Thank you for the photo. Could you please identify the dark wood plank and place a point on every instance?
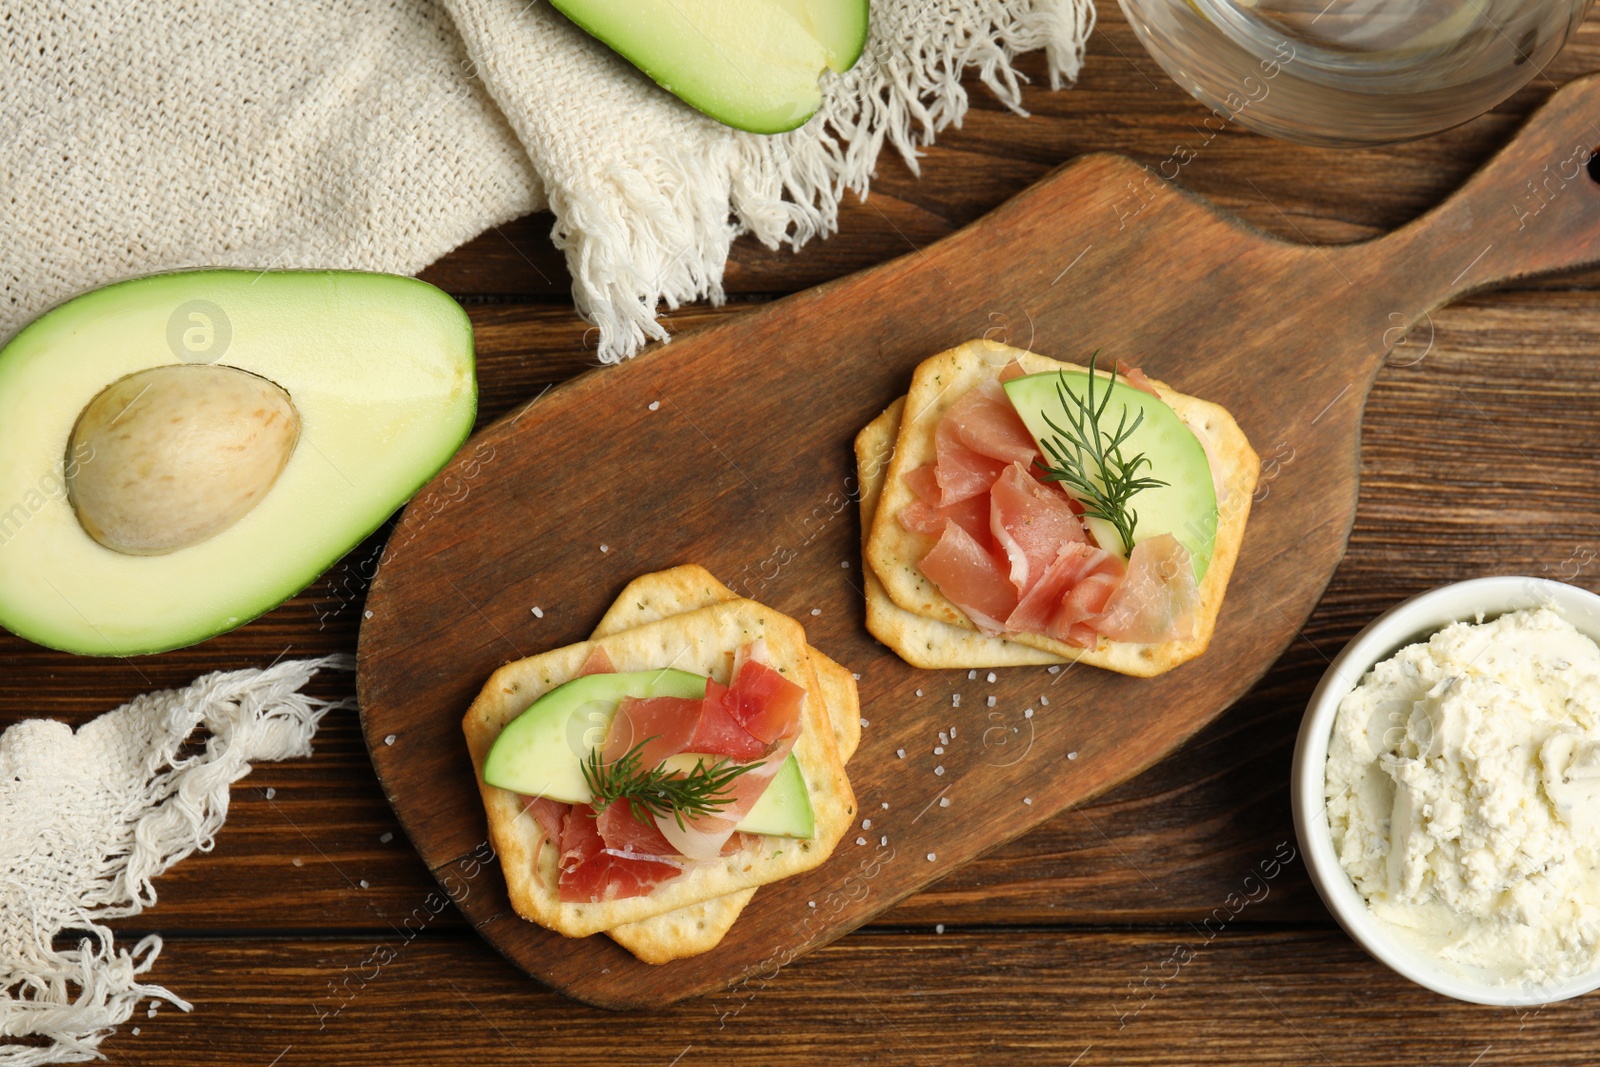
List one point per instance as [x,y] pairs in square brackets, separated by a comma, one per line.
[1228,995]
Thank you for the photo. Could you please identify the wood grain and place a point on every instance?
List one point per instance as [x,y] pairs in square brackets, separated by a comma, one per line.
[975,997]
[1102,254]
[1195,822]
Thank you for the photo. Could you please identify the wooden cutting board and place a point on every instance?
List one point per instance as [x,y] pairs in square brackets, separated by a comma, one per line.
[731,448]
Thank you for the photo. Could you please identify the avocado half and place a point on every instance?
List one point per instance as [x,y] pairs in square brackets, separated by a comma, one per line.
[378,368]
[750,64]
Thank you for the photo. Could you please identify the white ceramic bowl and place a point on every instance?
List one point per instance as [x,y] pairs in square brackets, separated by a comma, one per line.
[1414,620]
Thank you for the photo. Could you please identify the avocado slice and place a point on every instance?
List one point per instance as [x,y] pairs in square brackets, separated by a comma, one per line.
[303,408]
[784,810]
[752,64]
[542,751]
[1186,507]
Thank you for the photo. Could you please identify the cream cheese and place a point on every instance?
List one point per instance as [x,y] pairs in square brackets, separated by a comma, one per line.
[1463,789]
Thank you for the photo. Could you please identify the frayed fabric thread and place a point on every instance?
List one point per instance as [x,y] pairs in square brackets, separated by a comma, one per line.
[89,818]
[649,194]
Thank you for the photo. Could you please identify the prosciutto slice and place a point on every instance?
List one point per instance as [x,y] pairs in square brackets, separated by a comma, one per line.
[663,725]
[1157,602]
[768,705]
[592,871]
[1031,524]
[985,421]
[1072,590]
[960,471]
[970,576]
[599,662]
[926,515]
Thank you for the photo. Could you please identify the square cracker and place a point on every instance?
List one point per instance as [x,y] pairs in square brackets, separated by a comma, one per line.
[892,551]
[700,927]
[921,642]
[701,641]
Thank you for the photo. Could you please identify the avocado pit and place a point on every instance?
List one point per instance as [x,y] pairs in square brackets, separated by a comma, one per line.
[171,456]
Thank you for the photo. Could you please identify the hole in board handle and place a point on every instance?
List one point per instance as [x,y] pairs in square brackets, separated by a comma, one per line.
[1593,165]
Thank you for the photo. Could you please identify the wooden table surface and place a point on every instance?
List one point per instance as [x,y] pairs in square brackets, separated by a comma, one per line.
[1169,921]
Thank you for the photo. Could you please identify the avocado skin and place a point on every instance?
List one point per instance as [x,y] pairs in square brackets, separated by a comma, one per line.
[765,83]
[382,365]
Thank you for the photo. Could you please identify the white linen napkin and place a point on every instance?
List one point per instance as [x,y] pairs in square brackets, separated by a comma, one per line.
[89,817]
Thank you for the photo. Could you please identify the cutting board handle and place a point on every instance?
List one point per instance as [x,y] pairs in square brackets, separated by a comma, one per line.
[1532,209]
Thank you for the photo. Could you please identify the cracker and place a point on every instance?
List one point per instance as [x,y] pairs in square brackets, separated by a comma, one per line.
[892,550]
[702,641]
[921,642]
[701,927]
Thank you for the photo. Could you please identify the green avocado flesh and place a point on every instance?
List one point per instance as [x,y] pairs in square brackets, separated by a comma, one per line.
[542,751]
[377,368]
[752,64]
[1186,507]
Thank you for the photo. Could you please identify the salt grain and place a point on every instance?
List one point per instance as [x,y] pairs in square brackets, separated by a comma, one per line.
[135,1031]
[865,724]
[844,564]
[919,692]
[938,750]
[932,856]
[816,611]
[866,824]
[944,738]
[1072,755]
[939,928]
[366,614]
[655,405]
[939,770]
[861,840]
[944,802]
[271,792]
[856,675]
[991,677]
[386,837]
[991,702]
[900,752]
[952,731]
[538,612]
[1027,800]
[297,862]
[971,675]
[605,548]
[1044,700]
[883,842]
[389,740]
[811,903]
[885,805]
[955,700]
[1053,670]
[363,884]
[1028,714]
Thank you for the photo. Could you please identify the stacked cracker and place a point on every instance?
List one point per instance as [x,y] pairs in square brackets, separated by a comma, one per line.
[907,612]
[686,619]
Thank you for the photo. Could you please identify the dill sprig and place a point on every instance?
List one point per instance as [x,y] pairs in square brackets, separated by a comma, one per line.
[1088,459]
[658,791]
